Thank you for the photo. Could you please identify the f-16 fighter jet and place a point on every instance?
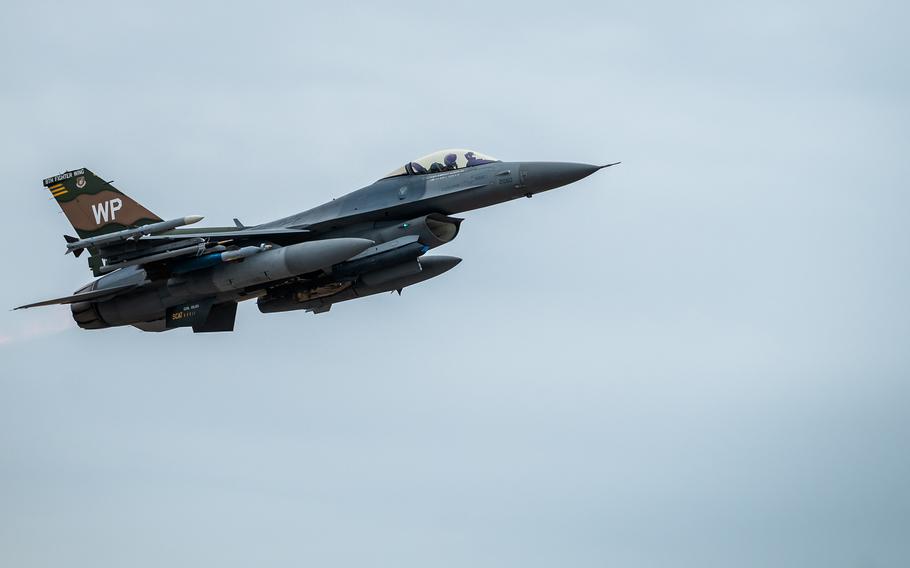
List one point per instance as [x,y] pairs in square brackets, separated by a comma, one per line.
[156,276]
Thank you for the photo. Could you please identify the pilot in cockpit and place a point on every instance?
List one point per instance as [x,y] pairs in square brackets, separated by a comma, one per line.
[450,163]
[474,160]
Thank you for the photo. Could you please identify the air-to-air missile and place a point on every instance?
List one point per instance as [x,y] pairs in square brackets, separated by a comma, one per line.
[217,255]
[155,276]
[131,233]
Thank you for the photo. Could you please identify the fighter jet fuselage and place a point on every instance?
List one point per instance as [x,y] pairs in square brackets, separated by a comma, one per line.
[157,277]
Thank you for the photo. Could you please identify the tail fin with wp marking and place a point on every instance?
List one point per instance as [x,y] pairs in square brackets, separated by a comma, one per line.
[95,207]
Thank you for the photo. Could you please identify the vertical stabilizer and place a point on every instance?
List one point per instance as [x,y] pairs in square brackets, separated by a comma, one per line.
[95,207]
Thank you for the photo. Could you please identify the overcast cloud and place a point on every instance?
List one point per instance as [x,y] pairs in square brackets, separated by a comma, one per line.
[697,358]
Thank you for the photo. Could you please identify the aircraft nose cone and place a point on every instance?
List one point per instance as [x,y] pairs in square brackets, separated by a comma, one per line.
[541,176]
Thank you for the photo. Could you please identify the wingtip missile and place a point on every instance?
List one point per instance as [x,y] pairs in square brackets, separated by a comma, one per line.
[131,233]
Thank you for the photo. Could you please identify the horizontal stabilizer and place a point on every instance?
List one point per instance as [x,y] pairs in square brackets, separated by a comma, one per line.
[94,295]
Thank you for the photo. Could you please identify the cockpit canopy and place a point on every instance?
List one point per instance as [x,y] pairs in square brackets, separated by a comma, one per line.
[443,160]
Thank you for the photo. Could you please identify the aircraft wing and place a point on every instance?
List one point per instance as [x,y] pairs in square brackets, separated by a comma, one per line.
[158,251]
[239,235]
[83,297]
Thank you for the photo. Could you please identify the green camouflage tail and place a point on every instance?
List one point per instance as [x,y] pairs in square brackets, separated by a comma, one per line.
[95,207]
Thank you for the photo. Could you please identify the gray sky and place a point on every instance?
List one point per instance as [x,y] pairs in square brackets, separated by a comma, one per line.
[698,358]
